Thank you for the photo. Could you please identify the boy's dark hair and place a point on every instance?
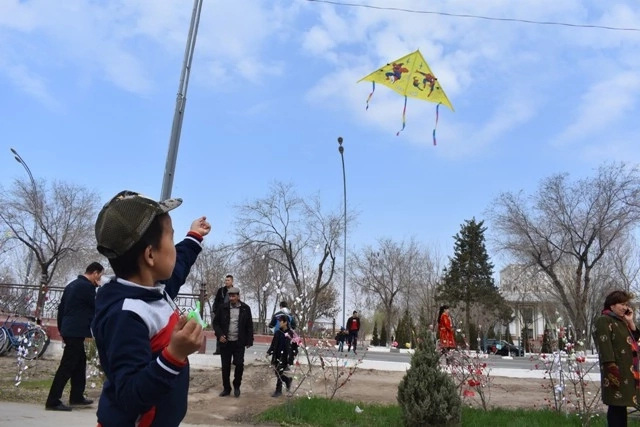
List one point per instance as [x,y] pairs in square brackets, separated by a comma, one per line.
[354,312]
[284,317]
[283,304]
[229,276]
[616,297]
[94,267]
[126,265]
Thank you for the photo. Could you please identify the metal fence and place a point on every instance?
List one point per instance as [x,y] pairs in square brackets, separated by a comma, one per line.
[21,300]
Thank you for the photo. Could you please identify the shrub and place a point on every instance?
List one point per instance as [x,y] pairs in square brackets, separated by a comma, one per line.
[427,395]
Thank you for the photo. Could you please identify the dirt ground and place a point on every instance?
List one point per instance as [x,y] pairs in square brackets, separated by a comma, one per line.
[207,408]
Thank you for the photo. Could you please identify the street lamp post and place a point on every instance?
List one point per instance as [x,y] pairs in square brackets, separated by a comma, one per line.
[344,263]
[20,160]
[42,290]
[181,102]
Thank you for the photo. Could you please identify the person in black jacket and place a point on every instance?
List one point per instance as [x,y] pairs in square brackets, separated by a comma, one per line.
[281,353]
[353,327]
[284,309]
[75,313]
[233,324]
[221,298]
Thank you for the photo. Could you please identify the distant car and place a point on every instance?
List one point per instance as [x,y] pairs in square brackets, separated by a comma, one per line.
[502,348]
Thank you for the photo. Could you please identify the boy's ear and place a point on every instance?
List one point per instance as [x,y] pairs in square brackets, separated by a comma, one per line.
[147,256]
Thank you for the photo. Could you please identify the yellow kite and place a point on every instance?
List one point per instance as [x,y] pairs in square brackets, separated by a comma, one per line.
[410,76]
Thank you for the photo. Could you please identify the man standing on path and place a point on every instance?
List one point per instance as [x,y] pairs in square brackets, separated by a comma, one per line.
[353,326]
[75,313]
[233,324]
[221,298]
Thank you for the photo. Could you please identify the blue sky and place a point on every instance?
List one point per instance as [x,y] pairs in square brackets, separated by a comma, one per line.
[88,92]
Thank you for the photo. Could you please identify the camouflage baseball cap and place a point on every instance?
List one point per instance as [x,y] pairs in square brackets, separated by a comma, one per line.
[124,219]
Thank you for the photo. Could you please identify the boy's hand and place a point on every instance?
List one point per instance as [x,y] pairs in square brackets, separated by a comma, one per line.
[201,226]
[186,338]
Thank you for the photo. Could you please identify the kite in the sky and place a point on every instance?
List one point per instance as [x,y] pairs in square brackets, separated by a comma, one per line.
[410,76]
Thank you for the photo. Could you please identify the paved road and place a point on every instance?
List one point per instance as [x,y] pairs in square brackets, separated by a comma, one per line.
[524,363]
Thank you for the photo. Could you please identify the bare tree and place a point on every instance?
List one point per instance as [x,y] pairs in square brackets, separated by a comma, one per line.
[297,235]
[386,272]
[52,221]
[262,279]
[212,265]
[566,228]
[422,299]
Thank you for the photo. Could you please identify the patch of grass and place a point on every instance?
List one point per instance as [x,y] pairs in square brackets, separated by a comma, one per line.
[36,384]
[326,413]
[30,390]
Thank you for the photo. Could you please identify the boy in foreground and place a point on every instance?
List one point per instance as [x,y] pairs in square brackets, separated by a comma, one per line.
[142,340]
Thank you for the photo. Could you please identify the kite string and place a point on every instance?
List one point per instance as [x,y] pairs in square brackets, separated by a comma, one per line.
[404,115]
[436,125]
[371,94]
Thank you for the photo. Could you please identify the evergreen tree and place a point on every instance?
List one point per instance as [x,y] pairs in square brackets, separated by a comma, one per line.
[546,342]
[507,336]
[405,330]
[491,334]
[473,337]
[375,340]
[468,280]
[383,335]
[427,395]
[561,343]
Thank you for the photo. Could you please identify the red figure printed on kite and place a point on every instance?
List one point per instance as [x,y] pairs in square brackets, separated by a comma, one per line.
[396,73]
[428,78]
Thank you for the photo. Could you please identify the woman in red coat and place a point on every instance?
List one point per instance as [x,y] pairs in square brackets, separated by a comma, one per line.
[445,329]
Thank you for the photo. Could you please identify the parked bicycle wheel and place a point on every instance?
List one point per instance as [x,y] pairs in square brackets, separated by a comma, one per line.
[36,343]
[5,342]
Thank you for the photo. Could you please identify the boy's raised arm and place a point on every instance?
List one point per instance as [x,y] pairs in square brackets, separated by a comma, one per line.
[186,254]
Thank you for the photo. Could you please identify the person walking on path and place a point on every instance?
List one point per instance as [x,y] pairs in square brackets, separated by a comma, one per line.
[233,323]
[75,313]
[353,328]
[281,353]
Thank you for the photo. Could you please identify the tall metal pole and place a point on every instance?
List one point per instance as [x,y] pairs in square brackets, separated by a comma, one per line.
[20,160]
[344,263]
[181,101]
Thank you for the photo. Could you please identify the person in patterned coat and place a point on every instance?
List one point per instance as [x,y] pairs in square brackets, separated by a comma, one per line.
[616,336]
[445,330]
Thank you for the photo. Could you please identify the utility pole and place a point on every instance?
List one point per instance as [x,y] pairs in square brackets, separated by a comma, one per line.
[181,101]
[344,263]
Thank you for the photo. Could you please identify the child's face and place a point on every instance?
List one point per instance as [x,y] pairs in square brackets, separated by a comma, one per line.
[164,255]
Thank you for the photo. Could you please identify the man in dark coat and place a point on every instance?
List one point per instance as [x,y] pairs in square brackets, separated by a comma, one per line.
[233,324]
[75,313]
[353,327]
[221,298]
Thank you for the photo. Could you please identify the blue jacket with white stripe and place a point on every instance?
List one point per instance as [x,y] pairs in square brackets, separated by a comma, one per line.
[145,385]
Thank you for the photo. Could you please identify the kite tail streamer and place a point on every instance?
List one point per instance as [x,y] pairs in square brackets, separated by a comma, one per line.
[404,116]
[436,125]
[370,95]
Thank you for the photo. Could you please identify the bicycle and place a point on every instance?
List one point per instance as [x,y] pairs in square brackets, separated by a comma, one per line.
[30,343]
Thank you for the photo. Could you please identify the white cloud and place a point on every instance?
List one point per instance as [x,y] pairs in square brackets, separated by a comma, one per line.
[114,41]
[31,84]
[510,70]
[603,105]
